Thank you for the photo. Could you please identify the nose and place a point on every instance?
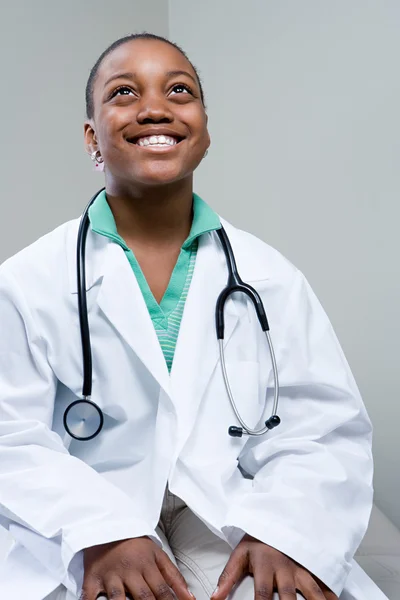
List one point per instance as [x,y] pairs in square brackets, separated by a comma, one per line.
[154,110]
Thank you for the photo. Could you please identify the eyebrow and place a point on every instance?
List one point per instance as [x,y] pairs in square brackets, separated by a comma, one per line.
[175,73]
[133,75]
[120,76]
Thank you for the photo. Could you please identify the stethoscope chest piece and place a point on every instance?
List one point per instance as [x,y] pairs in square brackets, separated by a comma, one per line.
[83,420]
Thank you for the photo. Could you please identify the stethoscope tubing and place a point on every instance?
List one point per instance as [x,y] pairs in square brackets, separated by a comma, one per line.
[234,285]
[82,301]
[246,428]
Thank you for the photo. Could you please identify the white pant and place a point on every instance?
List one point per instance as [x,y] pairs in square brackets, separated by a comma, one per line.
[194,549]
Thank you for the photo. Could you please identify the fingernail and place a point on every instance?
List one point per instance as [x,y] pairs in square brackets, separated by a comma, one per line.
[215,591]
[191,594]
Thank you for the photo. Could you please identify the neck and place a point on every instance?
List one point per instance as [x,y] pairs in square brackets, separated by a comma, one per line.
[158,216]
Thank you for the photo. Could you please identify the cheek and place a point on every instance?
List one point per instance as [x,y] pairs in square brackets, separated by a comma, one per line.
[109,133]
[201,124]
[195,119]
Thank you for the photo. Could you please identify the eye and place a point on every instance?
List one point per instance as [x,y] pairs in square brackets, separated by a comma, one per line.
[123,90]
[182,87]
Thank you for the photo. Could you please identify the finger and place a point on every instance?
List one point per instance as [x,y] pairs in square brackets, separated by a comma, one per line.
[329,595]
[115,590]
[263,582]
[285,584]
[308,586]
[156,582]
[173,577]
[91,588]
[138,588]
[235,568]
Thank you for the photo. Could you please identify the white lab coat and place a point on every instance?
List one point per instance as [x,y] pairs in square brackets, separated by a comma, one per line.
[310,490]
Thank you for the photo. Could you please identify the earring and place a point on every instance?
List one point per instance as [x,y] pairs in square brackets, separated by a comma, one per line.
[98,160]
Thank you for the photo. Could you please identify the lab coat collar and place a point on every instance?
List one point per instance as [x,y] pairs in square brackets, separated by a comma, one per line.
[96,250]
[252,268]
[122,302]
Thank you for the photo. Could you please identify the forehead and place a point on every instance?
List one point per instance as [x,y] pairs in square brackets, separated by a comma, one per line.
[145,58]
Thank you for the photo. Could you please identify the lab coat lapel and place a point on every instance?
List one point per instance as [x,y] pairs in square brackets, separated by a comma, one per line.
[122,302]
[196,353]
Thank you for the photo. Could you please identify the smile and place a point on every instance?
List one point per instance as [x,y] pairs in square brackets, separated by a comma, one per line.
[152,142]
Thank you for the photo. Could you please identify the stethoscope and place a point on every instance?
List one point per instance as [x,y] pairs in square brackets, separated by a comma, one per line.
[83,419]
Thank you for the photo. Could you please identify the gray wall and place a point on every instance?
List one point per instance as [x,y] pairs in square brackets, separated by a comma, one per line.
[304,115]
[48,49]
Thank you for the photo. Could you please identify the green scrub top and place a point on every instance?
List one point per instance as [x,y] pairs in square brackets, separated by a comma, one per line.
[167,315]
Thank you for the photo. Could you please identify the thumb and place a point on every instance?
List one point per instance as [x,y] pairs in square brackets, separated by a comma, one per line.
[235,569]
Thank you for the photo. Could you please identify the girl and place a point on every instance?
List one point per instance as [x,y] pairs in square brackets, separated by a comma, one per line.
[163,503]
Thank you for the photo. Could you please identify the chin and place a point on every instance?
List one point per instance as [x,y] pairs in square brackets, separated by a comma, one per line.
[159,176]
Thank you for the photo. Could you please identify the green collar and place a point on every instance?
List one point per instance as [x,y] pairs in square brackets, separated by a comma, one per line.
[102,220]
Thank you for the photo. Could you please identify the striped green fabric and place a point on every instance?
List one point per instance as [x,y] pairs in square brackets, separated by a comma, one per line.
[167,315]
[168,331]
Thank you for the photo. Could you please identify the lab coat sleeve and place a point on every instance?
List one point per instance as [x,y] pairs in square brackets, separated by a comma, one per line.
[54,503]
[312,489]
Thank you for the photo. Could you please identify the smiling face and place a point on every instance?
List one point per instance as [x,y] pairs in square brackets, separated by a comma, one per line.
[149,122]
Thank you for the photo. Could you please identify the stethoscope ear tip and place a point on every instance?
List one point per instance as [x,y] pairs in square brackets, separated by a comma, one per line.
[272,422]
[235,431]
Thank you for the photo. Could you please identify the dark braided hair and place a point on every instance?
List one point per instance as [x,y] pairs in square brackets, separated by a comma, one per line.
[124,40]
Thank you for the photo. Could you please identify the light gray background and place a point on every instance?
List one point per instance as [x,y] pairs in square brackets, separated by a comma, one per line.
[303,101]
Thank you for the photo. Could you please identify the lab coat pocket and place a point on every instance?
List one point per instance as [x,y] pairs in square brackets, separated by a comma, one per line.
[244,381]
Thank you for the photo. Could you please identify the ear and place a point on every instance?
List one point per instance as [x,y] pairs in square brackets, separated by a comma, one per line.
[208,135]
[90,137]
[208,140]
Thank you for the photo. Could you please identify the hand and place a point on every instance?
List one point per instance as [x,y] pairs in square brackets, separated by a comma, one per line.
[136,566]
[272,570]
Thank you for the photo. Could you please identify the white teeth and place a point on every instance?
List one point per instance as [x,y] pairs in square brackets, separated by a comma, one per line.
[157,140]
